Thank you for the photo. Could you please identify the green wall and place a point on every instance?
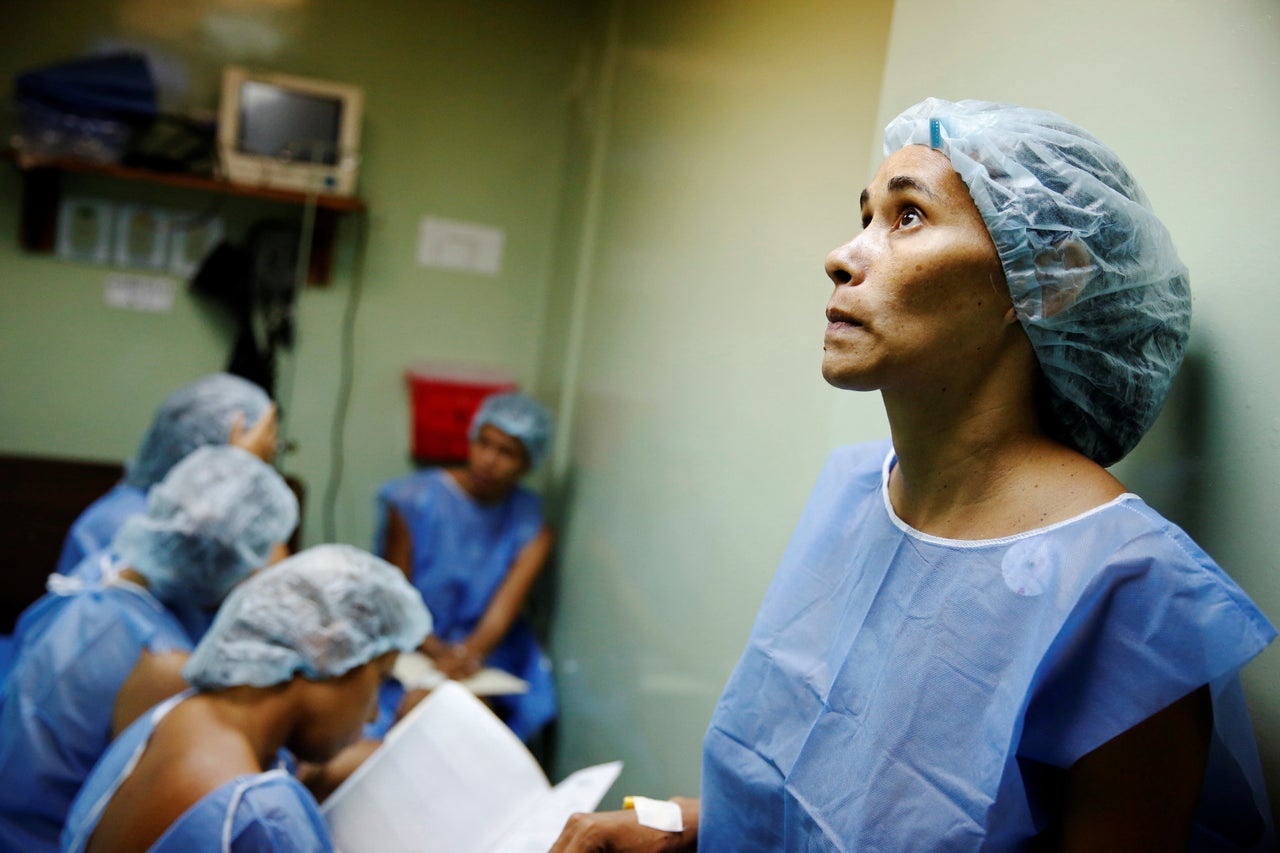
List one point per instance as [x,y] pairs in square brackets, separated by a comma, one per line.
[466,110]
[737,138]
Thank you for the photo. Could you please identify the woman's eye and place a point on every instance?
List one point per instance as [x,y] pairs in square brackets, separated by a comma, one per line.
[909,216]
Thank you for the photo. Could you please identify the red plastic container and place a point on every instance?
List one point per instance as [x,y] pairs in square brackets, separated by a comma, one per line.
[442,403]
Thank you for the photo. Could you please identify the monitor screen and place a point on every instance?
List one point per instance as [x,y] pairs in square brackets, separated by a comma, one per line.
[276,122]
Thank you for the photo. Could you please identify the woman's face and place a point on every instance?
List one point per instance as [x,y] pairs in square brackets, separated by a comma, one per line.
[920,297]
[496,461]
[338,708]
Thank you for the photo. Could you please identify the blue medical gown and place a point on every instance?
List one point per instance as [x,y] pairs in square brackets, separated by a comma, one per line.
[264,812]
[900,690]
[94,529]
[90,534]
[55,712]
[89,571]
[462,551]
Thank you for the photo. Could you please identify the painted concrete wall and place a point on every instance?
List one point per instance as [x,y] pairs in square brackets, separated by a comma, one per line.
[738,134]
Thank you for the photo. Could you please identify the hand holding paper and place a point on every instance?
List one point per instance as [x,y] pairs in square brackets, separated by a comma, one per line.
[452,778]
[416,672]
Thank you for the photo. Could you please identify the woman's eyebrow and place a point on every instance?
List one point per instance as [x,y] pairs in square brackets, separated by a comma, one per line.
[899,183]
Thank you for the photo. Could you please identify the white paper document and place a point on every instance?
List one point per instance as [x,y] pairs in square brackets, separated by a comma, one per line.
[452,778]
[416,671]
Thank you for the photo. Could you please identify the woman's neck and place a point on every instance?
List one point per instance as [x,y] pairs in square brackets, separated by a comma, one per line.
[978,465]
[264,716]
[462,476]
[133,576]
[947,463]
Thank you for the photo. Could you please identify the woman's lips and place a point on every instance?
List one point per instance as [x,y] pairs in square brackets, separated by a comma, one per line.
[839,321]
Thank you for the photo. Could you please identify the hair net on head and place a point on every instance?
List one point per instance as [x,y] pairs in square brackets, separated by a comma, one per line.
[519,416]
[1094,276]
[195,415]
[319,613]
[208,524]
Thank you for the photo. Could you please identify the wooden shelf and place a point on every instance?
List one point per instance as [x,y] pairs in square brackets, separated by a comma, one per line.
[42,192]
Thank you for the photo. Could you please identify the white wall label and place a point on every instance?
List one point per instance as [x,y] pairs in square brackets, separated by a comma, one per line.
[463,246]
[139,292]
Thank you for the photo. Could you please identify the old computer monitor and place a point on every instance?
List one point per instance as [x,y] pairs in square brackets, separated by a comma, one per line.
[288,132]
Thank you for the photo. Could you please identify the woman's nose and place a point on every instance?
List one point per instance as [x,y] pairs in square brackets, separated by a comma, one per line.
[844,265]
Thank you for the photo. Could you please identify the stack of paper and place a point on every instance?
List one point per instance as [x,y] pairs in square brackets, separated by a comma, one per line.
[452,778]
[416,671]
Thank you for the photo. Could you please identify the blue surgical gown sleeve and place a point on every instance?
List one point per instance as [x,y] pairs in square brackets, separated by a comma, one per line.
[55,715]
[94,529]
[264,813]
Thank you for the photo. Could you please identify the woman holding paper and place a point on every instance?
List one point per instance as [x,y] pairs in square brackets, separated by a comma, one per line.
[473,541]
[977,638]
[294,660]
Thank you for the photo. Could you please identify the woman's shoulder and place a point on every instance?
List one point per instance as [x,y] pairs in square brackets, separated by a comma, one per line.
[526,501]
[855,466]
[860,459]
[90,611]
[1147,531]
[260,811]
[1128,553]
[113,507]
[416,486]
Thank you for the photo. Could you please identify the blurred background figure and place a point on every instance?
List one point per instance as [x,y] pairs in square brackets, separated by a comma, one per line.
[218,409]
[294,660]
[473,541]
[97,653]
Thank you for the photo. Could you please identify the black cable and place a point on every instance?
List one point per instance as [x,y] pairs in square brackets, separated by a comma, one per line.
[345,373]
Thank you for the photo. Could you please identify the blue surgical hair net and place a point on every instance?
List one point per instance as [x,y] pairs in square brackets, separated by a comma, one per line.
[519,416]
[208,524]
[195,415]
[320,613]
[1094,276]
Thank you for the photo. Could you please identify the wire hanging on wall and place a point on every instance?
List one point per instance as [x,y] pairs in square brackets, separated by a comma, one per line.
[346,372]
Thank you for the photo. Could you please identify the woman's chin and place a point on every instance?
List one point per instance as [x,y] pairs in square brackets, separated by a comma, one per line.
[846,377]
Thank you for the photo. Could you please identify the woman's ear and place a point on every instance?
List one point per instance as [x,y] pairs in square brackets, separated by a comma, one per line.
[1062,271]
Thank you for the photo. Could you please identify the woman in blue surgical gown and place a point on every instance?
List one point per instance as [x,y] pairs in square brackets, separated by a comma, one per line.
[216,409]
[101,652]
[293,660]
[472,540]
[978,639]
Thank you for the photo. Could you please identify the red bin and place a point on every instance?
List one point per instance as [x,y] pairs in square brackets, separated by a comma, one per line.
[442,403]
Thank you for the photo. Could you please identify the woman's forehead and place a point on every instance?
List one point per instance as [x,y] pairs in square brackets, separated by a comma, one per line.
[921,169]
[920,164]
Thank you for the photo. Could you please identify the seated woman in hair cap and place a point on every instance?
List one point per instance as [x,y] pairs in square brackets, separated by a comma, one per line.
[216,409]
[473,541]
[978,639]
[97,654]
[294,660]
